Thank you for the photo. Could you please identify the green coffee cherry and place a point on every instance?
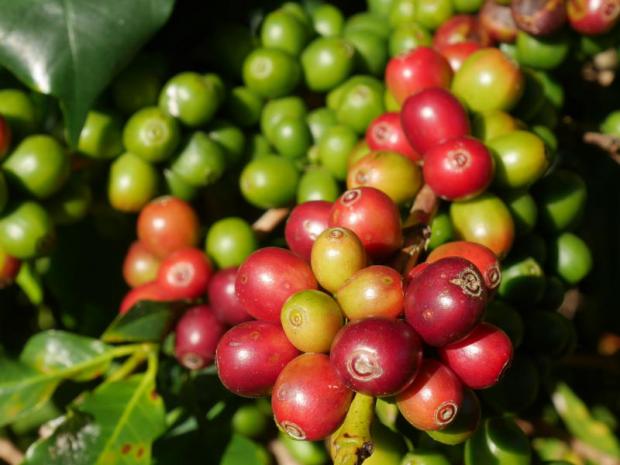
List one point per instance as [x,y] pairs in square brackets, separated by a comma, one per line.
[278,109]
[317,183]
[328,20]
[101,136]
[139,85]
[19,110]
[561,199]
[441,230]
[72,203]
[249,421]
[498,440]
[327,62]
[319,120]
[151,134]
[179,187]
[230,138]
[191,98]
[523,209]
[26,231]
[407,36]
[269,181]
[244,106]
[201,160]
[570,258]
[133,182]
[523,281]
[371,51]
[334,149]
[271,73]
[283,31]
[230,241]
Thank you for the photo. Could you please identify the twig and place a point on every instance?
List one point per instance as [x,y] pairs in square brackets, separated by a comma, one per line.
[609,144]
[9,453]
[571,303]
[270,220]
[416,230]
[579,447]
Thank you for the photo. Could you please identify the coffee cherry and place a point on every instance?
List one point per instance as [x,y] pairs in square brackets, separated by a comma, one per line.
[433,399]
[464,425]
[498,440]
[149,291]
[497,22]
[446,300]
[481,358]
[309,400]
[431,117]
[336,255]
[416,271]
[493,123]
[485,220]
[6,136]
[421,68]
[375,291]
[523,280]
[306,221]
[250,357]
[523,209]
[311,320]
[561,198]
[570,258]
[168,224]
[424,457]
[196,336]
[485,260]
[184,274]
[9,269]
[386,133]
[539,17]
[458,168]
[391,173]
[26,231]
[406,37]
[456,54]
[488,80]
[140,265]
[442,230]
[268,277]
[593,17]
[372,216]
[230,241]
[223,298]
[377,356]
[457,30]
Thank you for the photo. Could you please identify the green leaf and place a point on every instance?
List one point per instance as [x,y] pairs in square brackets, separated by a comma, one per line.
[60,352]
[145,322]
[73,48]
[116,424]
[243,451]
[22,390]
[580,423]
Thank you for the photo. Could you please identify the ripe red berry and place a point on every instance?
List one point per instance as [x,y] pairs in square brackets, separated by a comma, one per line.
[433,399]
[168,224]
[415,271]
[149,291]
[419,69]
[372,216]
[306,221]
[456,54]
[593,17]
[386,133]
[309,400]
[140,265]
[377,356]
[445,301]
[481,256]
[270,276]
[539,17]
[5,136]
[223,298]
[250,357]
[185,274]
[196,336]
[9,268]
[481,358]
[431,117]
[458,168]
[457,30]
[497,22]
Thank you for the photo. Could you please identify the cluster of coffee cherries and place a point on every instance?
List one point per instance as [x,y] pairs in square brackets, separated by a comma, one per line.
[330,321]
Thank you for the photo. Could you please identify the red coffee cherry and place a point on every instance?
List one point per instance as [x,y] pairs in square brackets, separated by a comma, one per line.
[306,221]
[168,224]
[458,168]
[419,69]
[185,274]
[372,216]
[140,265]
[457,30]
[497,23]
[483,257]
[377,356]
[445,301]
[434,398]
[270,276]
[223,298]
[196,336]
[481,358]
[593,17]
[9,268]
[431,117]
[386,133]
[148,291]
[309,400]
[539,17]
[456,54]
[250,357]
[6,136]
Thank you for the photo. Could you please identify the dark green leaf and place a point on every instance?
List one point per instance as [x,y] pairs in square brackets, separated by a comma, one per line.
[61,352]
[22,390]
[116,424]
[73,48]
[145,322]
[243,451]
